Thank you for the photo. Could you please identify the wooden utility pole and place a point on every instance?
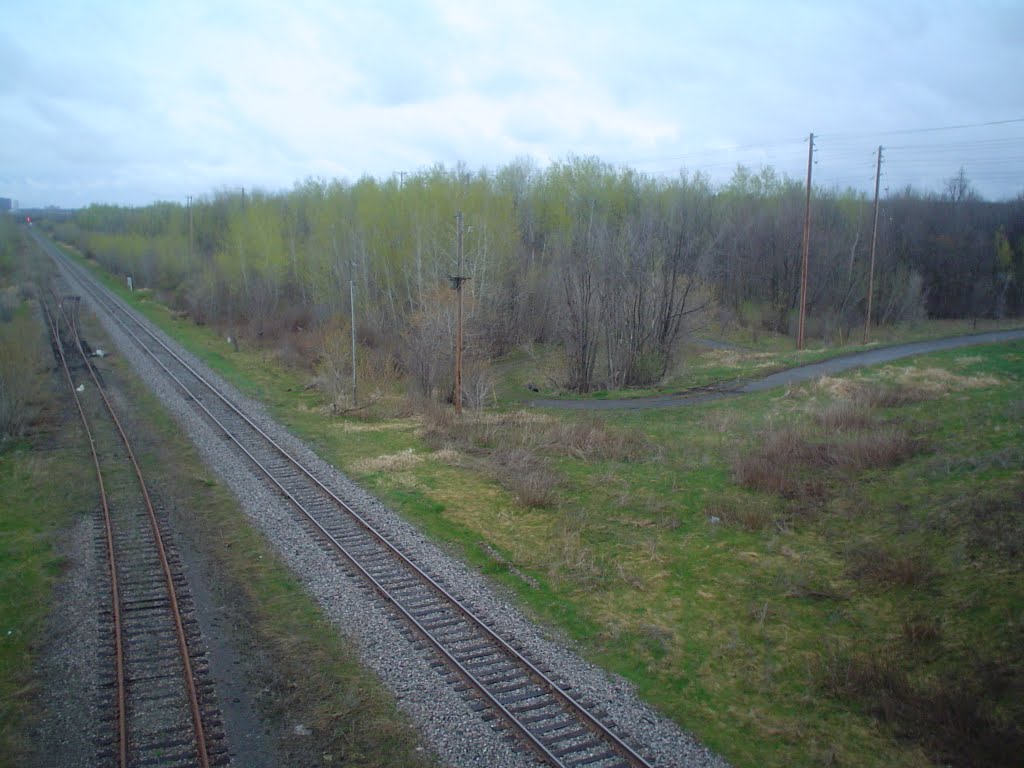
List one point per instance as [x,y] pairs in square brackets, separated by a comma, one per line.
[352,309]
[190,254]
[874,236]
[806,248]
[458,280]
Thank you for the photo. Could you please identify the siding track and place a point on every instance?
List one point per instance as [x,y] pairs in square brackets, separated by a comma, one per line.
[160,709]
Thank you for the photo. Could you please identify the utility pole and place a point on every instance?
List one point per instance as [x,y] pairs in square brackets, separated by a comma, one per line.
[458,332]
[874,236]
[190,253]
[806,248]
[352,306]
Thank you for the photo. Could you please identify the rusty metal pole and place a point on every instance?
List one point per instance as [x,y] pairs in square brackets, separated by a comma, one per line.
[458,328]
[806,248]
[874,236]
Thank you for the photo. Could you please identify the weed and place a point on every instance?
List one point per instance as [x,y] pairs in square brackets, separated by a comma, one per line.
[781,465]
[921,630]
[798,584]
[953,715]
[877,394]
[755,513]
[989,519]
[788,463]
[516,447]
[526,475]
[844,415]
[21,374]
[870,563]
[873,450]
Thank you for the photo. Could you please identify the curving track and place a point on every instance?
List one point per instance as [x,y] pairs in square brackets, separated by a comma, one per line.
[157,702]
[507,686]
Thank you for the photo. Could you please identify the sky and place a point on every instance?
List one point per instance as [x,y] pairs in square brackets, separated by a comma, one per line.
[130,103]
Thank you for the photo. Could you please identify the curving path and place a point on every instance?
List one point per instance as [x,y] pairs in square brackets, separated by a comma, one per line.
[788,376]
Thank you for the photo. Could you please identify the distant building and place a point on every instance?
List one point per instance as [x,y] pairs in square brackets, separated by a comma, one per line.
[6,204]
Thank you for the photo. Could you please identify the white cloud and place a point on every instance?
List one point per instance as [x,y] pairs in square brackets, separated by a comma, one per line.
[130,102]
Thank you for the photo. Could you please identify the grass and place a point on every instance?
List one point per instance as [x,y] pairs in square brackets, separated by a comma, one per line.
[739,608]
[744,357]
[35,511]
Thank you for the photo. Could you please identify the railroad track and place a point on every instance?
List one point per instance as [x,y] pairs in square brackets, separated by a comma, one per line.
[505,685]
[158,713]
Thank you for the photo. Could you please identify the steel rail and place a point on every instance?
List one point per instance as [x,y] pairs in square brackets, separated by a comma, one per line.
[614,742]
[179,627]
[121,694]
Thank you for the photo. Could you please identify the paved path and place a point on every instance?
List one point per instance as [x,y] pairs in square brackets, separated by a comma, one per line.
[789,376]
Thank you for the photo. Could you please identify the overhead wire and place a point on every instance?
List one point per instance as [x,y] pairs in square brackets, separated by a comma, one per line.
[843,160]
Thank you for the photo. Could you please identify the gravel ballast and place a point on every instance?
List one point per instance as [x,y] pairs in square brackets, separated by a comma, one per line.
[452,729]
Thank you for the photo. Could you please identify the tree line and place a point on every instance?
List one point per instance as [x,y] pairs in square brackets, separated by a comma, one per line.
[616,267]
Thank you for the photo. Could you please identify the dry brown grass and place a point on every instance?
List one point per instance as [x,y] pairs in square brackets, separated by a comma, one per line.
[872,450]
[952,716]
[526,475]
[587,438]
[874,564]
[781,465]
[21,374]
[897,386]
[876,394]
[517,448]
[791,463]
[920,630]
[844,416]
[748,514]
[989,519]
[394,462]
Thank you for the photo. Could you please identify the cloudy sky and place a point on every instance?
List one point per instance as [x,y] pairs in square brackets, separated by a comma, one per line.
[131,102]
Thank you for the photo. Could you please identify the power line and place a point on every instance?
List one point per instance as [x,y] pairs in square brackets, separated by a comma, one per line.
[925,130]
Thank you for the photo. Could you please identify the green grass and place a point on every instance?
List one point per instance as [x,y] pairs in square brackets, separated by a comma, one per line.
[698,366]
[729,630]
[803,629]
[35,511]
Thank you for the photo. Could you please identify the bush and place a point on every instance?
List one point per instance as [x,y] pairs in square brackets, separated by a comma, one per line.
[873,450]
[526,475]
[749,514]
[874,564]
[844,416]
[876,394]
[952,716]
[789,463]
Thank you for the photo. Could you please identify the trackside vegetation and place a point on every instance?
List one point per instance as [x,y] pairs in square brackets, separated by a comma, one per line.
[615,269]
[822,575]
[34,511]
